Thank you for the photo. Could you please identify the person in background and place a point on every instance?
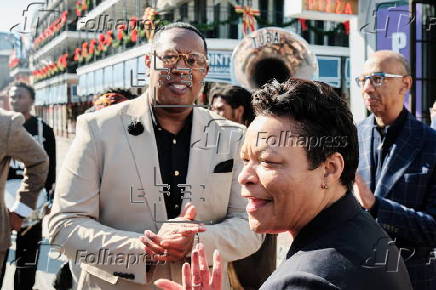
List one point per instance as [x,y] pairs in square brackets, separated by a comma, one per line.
[396,180]
[233,103]
[21,98]
[16,143]
[303,185]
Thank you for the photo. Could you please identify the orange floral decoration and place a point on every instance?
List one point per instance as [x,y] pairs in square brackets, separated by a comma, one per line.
[77,54]
[84,49]
[108,99]
[121,29]
[102,42]
[149,19]
[248,20]
[108,38]
[133,29]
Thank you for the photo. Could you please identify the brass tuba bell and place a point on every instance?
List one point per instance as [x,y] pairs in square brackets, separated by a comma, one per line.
[271,53]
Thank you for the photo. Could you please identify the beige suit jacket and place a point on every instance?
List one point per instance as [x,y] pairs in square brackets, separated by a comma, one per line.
[108,193]
[16,143]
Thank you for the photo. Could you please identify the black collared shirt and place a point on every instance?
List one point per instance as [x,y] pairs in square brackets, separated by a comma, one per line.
[173,153]
[382,141]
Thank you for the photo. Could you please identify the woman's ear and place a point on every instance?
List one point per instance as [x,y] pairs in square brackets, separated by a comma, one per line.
[333,167]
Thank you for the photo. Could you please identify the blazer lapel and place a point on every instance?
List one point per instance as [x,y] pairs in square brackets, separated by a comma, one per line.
[203,142]
[143,150]
[402,153]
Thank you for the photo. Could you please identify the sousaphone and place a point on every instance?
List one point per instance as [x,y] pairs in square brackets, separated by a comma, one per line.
[272,53]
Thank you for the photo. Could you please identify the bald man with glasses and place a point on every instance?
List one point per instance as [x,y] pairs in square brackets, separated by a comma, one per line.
[396,180]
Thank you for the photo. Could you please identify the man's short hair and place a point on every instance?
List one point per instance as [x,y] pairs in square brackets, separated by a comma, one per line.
[181,25]
[319,112]
[236,96]
[405,63]
[25,86]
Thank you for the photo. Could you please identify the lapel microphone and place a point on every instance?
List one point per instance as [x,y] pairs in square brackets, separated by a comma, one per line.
[135,128]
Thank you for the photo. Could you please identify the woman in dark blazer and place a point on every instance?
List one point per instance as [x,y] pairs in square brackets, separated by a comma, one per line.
[300,157]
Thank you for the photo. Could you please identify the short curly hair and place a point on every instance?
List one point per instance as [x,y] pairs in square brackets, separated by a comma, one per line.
[319,112]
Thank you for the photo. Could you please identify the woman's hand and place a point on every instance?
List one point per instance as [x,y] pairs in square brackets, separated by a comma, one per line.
[197,276]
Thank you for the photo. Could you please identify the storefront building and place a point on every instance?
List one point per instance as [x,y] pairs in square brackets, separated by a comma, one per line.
[91,45]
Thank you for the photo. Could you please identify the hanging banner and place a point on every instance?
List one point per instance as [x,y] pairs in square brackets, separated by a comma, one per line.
[219,66]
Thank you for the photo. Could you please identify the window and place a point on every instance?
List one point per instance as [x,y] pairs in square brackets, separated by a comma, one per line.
[98,80]
[184,12]
[278,12]
[263,7]
[131,73]
[233,27]
[329,70]
[118,75]
[83,86]
[200,11]
[90,83]
[107,76]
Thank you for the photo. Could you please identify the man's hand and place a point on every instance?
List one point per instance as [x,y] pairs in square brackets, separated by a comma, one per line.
[174,240]
[197,276]
[15,221]
[362,193]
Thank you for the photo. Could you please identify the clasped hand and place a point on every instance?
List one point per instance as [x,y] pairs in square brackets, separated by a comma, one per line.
[174,240]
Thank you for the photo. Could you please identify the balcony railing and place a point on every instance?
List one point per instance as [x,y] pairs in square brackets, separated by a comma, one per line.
[63,23]
[65,64]
[112,42]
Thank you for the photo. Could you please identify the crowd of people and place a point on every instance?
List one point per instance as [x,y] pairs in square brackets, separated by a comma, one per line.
[156,191]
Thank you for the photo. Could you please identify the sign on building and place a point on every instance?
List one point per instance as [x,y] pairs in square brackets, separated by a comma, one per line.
[330,10]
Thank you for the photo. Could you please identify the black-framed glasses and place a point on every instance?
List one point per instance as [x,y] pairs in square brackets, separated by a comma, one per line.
[192,60]
[376,79]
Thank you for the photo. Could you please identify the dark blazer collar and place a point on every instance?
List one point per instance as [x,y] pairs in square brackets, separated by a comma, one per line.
[335,215]
[404,149]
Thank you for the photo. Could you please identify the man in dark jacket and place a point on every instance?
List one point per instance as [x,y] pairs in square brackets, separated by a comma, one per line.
[397,166]
[22,97]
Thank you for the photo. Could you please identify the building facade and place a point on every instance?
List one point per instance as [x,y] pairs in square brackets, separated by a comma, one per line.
[80,48]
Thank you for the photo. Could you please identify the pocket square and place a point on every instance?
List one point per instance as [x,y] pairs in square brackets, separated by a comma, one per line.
[223,167]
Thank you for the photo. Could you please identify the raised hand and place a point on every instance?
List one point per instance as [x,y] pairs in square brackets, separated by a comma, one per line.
[362,193]
[197,276]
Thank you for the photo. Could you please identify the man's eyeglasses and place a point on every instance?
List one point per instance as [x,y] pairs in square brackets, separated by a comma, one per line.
[376,79]
[192,60]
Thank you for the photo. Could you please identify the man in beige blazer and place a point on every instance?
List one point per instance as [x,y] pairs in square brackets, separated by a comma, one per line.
[16,143]
[110,189]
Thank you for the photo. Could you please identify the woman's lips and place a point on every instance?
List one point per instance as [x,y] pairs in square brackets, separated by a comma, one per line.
[255,204]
